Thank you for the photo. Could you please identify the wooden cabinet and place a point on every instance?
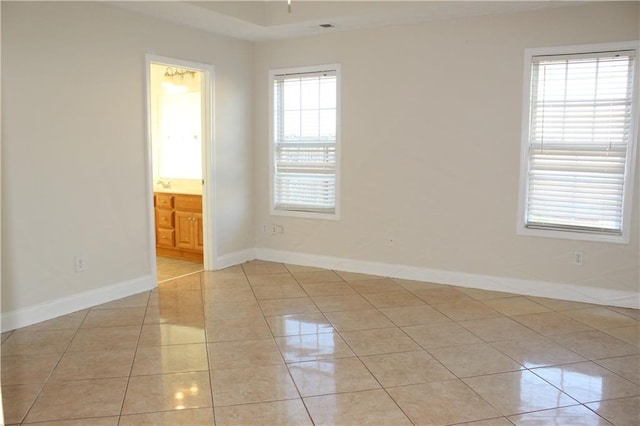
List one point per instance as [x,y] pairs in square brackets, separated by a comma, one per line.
[189,230]
[179,225]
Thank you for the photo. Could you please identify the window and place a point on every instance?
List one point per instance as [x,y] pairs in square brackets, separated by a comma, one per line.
[579,136]
[304,141]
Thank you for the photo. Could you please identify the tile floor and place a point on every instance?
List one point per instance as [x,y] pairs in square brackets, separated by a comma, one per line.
[273,344]
[169,267]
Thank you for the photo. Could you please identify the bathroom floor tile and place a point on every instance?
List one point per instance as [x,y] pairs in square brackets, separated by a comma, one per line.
[518,392]
[282,291]
[276,279]
[625,366]
[600,318]
[474,360]
[332,376]
[259,267]
[309,347]
[224,294]
[252,384]
[596,345]
[440,335]
[406,368]
[630,334]
[92,339]
[498,329]
[298,324]
[171,334]
[621,412]
[170,359]
[551,323]
[373,407]
[250,328]
[358,320]
[336,288]
[379,341]
[317,276]
[165,392]
[78,399]
[467,310]
[65,322]
[537,352]
[283,344]
[139,300]
[4,336]
[630,312]
[515,306]
[114,317]
[232,310]
[185,282]
[355,276]
[377,285]
[441,295]
[575,415]
[352,302]
[17,400]
[194,416]
[393,299]
[298,305]
[414,315]
[94,365]
[243,353]
[441,403]
[37,342]
[27,369]
[587,382]
[288,412]
[479,294]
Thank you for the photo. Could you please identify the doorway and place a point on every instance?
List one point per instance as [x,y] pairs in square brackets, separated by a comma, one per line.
[179,155]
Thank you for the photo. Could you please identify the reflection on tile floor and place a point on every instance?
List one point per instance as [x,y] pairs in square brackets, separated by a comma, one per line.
[169,267]
[274,344]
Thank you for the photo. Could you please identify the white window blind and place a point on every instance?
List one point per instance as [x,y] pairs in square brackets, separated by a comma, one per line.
[304,141]
[580,127]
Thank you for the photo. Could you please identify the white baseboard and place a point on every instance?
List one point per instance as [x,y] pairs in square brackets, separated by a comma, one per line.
[572,292]
[75,302]
[233,259]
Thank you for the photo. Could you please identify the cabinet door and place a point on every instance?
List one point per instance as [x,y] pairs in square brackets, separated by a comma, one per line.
[199,238]
[184,233]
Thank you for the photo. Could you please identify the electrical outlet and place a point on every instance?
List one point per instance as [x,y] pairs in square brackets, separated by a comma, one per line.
[277,229]
[81,263]
[578,257]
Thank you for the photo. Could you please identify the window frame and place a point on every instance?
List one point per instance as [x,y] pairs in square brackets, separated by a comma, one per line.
[629,179]
[335,215]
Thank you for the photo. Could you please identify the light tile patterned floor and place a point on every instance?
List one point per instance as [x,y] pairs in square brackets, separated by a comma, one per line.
[169,267]
[273,344]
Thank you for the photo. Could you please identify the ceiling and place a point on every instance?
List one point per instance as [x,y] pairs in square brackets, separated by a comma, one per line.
[270,19]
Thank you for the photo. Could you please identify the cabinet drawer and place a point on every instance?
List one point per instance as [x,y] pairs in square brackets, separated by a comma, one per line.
[164,219]
[165,238]
[164,201]
[188,203]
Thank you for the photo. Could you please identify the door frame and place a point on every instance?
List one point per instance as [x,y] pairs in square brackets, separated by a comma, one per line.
[208,158]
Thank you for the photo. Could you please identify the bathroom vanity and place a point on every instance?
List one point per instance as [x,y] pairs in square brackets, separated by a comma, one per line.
[179,225]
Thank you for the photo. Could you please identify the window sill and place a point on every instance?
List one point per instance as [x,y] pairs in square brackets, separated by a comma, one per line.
[567,235]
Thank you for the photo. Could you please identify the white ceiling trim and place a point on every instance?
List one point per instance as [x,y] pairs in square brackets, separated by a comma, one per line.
[202,16]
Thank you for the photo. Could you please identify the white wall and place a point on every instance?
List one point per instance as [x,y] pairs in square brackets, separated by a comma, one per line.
[431,124]
[74,177]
